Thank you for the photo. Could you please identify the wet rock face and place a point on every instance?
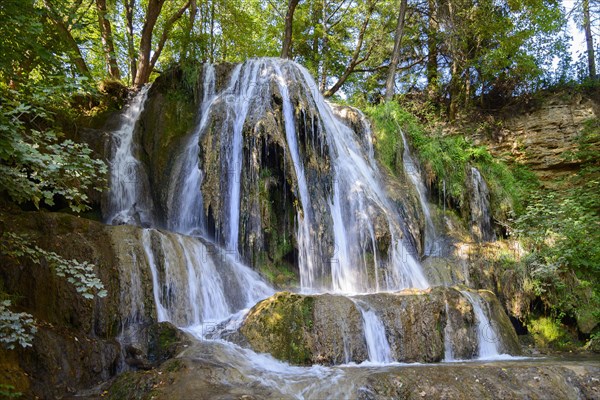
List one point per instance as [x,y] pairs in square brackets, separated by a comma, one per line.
[209,370]
[328,329]
[480,212]
[268,181]
[399,189]
[266,187]
[493,381]
[75,343]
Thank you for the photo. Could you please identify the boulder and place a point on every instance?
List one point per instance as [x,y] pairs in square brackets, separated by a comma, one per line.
[328,329]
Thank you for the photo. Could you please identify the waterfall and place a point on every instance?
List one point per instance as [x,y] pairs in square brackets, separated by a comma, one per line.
[487,338]
[131,305]
[411,168]
[359,209]
[358,200]
[195,283]
[481,217]
[378,346]
[304,219]
[448,351]
[127,176]
[187,213]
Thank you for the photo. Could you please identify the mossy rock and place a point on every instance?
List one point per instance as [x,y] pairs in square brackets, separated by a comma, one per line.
[328,329]
[281,325]
[166,341]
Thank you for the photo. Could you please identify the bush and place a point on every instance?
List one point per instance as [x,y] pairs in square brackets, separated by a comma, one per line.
[445,158]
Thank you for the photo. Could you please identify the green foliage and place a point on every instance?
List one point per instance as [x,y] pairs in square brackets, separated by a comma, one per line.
[8,391]
[80,274]
[561,231]
[446,158]
[19,328]
[15,328]
[35,164]
[548,332]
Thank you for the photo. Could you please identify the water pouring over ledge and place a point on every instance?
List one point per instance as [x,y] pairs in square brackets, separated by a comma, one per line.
[342,210]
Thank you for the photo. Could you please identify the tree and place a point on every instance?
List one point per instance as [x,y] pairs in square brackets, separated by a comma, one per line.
[287,35]
[389,84]
[144,67]
[589,40]
[129,7]
[356,58]
[63,26]
[37,165]
[146,63]
[107,39]
[494,50]
[432,46]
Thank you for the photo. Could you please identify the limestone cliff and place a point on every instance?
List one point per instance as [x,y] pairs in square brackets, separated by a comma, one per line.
[541,135]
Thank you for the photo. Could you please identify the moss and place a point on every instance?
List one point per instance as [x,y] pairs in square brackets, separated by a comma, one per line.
[131,385]
[173,365]
[12,376]
[281,325]
[276,218]
[445,158]
[550,333]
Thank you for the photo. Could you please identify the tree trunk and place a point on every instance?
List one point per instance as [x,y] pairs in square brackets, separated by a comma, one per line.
[454,91]
[324,47]
[432,62]
[454,70]
[165,33]
[287,35]
[74,52]
[190,49]
[107,40]
[587,26]
[212,32]
[144,68]
[129,7]
[389,83]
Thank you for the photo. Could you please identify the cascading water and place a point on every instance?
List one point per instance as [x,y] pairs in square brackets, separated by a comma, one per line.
[448,350]
[359,209]
[412,169]
[481,217]
[304,219]
[190,288]
[196,283]
[187,213]
[374,331]
[358,200]
[487,338]
[127,176]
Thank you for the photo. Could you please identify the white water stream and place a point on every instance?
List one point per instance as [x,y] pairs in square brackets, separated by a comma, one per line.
[126,205]
[412,169]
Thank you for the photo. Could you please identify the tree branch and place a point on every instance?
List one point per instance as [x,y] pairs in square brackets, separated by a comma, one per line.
[165,33]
